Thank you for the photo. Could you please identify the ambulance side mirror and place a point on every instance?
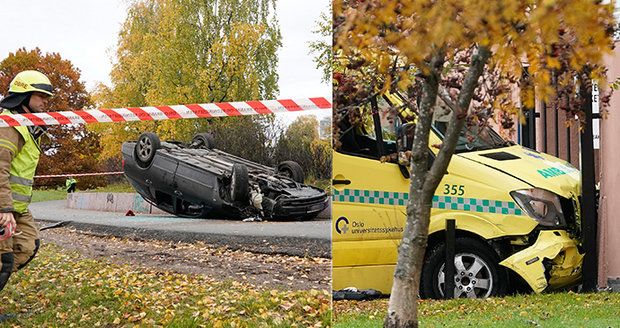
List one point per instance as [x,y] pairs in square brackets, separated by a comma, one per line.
[404,141]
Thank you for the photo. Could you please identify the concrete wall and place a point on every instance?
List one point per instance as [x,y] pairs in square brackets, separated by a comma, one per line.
[123,202]
[609,221]
[111,202]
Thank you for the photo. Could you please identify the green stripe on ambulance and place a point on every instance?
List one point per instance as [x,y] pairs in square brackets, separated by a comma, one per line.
[439,202]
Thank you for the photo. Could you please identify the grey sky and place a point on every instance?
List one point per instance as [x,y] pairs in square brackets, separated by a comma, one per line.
[85,32]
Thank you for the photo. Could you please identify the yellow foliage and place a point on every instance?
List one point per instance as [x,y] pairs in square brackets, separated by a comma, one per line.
[514,30]
[187,52]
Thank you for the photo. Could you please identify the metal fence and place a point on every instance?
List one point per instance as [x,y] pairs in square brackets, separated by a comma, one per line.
[577,147]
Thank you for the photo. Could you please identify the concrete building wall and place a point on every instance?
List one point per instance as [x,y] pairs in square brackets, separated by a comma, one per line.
[325,128]
[609,220]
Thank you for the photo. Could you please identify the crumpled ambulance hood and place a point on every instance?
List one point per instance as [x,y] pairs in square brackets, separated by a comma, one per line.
[537,169]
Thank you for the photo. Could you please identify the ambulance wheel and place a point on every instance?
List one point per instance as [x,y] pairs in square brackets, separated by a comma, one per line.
[477,271]
[145,148]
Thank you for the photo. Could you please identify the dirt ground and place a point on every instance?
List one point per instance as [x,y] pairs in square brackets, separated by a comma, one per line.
[268,271]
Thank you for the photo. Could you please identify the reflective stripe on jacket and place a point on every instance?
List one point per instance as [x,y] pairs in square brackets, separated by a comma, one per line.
[23,167]
[69,182]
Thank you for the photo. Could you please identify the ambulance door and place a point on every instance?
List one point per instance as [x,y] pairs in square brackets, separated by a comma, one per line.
[370,193]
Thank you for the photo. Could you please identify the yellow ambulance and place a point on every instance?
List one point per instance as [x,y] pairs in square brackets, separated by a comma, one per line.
[516,211]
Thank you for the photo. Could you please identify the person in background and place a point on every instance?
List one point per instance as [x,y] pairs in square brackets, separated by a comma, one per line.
[70,184]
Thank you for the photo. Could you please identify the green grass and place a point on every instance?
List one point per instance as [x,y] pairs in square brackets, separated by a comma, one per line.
[116,187]
[41,195]
[60,289]
[546,310]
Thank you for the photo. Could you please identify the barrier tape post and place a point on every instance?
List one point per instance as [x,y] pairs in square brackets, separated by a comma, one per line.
[155,113]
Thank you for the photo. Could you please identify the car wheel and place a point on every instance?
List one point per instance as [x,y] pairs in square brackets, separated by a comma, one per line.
[145,148]
[477,271]
[292,170]
[239,182]
[203,140]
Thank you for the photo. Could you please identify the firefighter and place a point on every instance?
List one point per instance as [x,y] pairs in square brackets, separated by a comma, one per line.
[29,92]
[70,183]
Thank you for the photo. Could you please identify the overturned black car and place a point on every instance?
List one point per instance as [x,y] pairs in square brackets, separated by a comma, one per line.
[196,180]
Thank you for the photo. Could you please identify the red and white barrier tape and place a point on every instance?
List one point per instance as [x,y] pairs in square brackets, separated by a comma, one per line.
[77,175]
[150,113]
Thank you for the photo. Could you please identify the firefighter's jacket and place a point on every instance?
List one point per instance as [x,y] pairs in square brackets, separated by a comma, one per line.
[19,156]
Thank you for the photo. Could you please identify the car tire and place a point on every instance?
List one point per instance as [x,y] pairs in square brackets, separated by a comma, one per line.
[292,170]
[204,140]
[477,270]
[239,182]
[145,148]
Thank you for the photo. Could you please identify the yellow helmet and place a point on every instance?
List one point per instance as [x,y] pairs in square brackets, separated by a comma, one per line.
[29,81]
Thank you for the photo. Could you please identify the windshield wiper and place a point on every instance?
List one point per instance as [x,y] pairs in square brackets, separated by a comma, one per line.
[463,148]
[505,143]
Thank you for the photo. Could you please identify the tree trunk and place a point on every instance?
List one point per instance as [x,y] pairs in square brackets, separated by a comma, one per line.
[402,307]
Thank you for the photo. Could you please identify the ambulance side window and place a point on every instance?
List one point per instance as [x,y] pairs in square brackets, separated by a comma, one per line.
[390,123]
[361,139]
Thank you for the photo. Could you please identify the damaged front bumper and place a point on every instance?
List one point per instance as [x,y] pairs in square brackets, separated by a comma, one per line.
[286,207]
[554,261]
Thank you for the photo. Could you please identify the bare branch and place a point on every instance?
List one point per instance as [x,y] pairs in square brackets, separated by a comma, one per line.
[420,141]
[447,99]
[440,165]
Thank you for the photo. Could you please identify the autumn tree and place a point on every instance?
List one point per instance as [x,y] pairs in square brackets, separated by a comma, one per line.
[417,47]
[322,49]
[190,51]
[252,140]
[71,149]
[73,146]
[300,143]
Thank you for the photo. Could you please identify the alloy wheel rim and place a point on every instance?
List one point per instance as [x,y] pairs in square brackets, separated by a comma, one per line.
[145,149]
[473,277]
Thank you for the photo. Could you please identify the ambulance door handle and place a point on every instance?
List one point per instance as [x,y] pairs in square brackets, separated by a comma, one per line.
[339,181]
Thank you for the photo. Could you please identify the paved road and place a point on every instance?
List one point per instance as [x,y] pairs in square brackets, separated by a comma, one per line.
[309,238]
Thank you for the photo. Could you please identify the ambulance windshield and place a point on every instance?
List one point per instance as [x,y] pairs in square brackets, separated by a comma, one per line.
[473,137]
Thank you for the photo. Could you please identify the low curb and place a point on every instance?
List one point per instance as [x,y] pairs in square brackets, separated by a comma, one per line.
[122,202]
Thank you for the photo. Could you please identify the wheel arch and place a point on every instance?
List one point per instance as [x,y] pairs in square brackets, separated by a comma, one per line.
[500,246]
[486,233]
[475,227]
[439,236]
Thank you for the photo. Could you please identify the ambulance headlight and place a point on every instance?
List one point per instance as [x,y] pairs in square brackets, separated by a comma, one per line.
[541,205]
